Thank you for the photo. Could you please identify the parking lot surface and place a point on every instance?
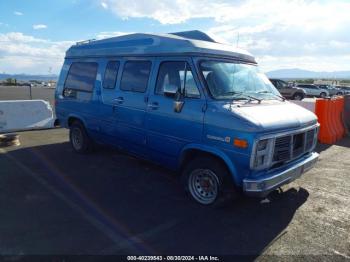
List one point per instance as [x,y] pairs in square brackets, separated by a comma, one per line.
[54,201]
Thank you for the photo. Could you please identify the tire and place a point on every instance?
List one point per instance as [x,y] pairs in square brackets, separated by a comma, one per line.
[298,96]
[208,182]
[339,94]
[323,95]
[79,139]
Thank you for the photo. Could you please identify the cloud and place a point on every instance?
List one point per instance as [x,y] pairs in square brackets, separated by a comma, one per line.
[109,34]
[39,26]
[21,53]
[278,29]
[24,53]
[323,63]
[288,12]
[17,13]
[104,5]
[166,12]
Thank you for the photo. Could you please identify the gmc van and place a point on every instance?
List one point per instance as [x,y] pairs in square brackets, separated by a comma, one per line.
[188,103]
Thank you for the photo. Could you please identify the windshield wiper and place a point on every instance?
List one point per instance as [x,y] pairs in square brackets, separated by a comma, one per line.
[244,95]
[267,92]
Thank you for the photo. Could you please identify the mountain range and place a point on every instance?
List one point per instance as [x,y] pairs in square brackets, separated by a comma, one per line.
[296,73]
[24,77]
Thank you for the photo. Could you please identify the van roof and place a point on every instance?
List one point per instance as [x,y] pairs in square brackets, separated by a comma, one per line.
[180,43]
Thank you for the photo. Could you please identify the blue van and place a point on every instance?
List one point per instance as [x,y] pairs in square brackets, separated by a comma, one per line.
[188,103]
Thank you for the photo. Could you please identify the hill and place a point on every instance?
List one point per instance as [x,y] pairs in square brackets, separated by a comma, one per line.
[296,73]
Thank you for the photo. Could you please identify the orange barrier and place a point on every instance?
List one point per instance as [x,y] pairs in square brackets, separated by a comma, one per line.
[346,115]
[329,113]
[340,112]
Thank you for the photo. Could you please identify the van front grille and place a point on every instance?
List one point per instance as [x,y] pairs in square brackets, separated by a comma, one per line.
[282,149]
[292,146]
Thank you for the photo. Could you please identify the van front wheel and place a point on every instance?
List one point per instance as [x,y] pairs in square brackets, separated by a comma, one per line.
[207,181]
[79,138]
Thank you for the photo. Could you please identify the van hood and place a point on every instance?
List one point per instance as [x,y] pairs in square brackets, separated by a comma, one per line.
[272,115]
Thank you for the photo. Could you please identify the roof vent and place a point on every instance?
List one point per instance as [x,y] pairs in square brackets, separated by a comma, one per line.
[195,35]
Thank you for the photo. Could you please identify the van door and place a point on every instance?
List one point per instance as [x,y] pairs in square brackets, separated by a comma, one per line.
[169,131]
[130,104]
[110,76]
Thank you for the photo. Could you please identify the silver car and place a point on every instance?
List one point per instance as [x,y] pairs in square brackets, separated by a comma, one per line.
[313,91]
[332,90]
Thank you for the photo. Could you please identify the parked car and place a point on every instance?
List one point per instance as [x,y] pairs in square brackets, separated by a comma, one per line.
[313,91]
[289,92]
[175,101]
[331,90]
[344,89]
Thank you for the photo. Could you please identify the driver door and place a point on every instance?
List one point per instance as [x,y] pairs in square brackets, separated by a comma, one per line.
[169,131]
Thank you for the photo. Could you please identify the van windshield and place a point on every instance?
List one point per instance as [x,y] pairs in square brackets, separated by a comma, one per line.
[228,80]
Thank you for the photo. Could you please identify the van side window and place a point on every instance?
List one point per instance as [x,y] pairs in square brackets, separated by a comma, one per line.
[178,74]
[111,74]
[135,76]
[81,78]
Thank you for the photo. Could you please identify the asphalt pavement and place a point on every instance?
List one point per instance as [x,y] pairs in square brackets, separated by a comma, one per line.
[54,201]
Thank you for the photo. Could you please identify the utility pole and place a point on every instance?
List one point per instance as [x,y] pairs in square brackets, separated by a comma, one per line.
[30,91]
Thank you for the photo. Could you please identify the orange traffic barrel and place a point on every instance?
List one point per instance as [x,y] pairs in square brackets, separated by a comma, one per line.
[333,119]
[327,134]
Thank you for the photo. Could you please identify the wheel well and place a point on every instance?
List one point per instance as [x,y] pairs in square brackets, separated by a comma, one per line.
[72,119]
[191,154]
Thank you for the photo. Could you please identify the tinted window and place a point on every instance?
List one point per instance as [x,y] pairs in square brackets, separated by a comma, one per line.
[81,76]
[111,74]
[135,76]
[282,84]
[178,74]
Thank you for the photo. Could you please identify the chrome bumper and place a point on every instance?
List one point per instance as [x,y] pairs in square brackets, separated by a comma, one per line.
[262,186]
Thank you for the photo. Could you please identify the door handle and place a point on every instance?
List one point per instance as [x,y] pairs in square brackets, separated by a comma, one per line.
[119,100]
[153,105]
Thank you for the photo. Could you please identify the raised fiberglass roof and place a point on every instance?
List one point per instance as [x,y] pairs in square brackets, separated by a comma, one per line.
[190,42]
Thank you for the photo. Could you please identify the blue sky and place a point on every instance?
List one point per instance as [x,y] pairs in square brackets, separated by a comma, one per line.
[314,35]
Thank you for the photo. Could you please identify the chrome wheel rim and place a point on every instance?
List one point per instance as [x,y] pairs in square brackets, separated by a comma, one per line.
[203,185]
[77,138]
[297,97]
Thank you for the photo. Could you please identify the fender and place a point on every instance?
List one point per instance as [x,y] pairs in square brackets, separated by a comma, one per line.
[78,117]
[214,151]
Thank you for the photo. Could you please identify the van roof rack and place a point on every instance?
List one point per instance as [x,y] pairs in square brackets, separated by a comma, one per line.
[88,41]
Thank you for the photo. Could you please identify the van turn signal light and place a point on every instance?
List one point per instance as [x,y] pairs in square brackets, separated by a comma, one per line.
[240,143]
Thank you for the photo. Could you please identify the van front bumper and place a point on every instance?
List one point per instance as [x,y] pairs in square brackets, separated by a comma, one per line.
[262,186]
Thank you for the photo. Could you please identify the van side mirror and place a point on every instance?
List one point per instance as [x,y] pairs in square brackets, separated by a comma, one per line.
[170,90]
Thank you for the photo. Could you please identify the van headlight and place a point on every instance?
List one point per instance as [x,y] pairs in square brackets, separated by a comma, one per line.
[262,154]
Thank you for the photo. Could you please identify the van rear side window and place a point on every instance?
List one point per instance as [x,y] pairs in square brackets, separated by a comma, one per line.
[135,76]
[81,77]
[111,74]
